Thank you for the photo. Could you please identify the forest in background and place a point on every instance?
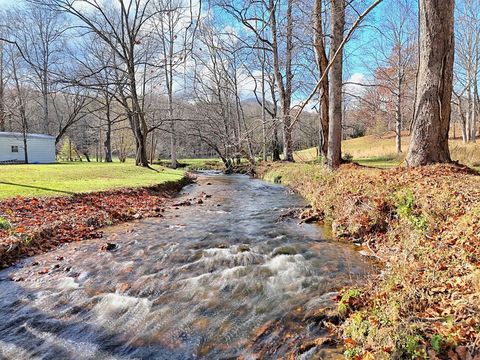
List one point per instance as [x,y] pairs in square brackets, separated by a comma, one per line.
[224,78]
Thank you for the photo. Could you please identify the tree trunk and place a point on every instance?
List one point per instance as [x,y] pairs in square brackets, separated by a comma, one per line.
[429,142]
[108,143]
[46,124]
[284,88]
[2,91]
[398,130]
[173,146]
[287,119]
[25,141]
[264,111]
[275,143]
[468,128]
[322,62]
[141,158]
[108,135]
[337,18]
[473,135]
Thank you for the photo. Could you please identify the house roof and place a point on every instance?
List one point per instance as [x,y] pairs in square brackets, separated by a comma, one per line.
[18,135]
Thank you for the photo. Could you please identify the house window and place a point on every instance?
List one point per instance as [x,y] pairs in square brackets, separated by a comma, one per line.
[14,149]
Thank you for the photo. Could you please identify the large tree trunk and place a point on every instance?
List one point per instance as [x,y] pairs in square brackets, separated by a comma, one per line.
[337,18]
[284,88]
[322,62]
[434,86]
[287,119]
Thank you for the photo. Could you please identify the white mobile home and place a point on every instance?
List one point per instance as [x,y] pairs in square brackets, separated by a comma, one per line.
[40,148]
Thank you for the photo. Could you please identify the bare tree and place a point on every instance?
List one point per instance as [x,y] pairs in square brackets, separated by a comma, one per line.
[39,33]
[395,54]
[175,27]
[283,81]
[21,101]
[121,28]
[467,58]
[337,16]
[322,62]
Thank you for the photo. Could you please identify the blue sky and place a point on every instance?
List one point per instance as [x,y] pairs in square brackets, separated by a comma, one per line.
[355,55]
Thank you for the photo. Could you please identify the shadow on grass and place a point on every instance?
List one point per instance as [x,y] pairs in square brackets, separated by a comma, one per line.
[37,188]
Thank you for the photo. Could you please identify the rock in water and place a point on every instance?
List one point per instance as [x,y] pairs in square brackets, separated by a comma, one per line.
[109,247]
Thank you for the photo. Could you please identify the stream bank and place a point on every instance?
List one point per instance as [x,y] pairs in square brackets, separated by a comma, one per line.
[32,226]
[225,277]
[424,226]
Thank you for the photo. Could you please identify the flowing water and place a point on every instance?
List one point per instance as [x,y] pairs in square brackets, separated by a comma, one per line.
[197,283]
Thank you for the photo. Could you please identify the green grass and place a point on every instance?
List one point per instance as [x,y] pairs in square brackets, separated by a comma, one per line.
[78,177]
[201,163]
[194,164]
[379,162]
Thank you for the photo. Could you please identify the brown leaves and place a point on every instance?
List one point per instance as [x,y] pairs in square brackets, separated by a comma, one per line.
[431,281]
[42,224]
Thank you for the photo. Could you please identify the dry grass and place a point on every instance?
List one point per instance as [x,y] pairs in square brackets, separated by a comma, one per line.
[382,148]
[425,225]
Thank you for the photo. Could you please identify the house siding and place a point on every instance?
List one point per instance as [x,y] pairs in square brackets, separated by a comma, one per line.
[41,150]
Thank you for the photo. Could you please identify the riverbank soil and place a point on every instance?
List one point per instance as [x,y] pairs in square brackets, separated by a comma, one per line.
[423,224]
[30,226]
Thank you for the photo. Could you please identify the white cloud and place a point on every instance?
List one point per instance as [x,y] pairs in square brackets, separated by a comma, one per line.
[354,86]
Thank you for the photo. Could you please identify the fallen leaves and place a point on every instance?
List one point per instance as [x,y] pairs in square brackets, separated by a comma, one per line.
[430,285]
[39,225]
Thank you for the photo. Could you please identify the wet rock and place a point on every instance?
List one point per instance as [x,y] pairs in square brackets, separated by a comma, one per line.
[309,216]
[243,248]
[183,203]
[284,250]
[122,287]
[327,314]
[197,255]
[109,247]
[321,341]
[289,214]
[205,195]
[199,201]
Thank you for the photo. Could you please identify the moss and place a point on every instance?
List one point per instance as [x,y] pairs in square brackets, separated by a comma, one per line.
[5,224]
[345,302]
[405,207]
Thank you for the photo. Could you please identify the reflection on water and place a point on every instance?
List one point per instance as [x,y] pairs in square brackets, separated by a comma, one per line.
[196,283]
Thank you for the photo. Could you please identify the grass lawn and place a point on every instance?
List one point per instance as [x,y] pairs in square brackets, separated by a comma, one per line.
[78,177]
[195,164]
